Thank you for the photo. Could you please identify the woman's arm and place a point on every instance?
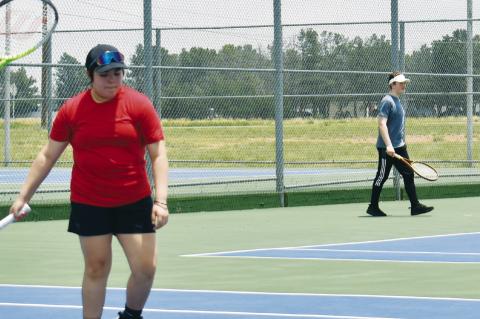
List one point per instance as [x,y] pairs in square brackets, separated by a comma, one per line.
[382,126]
[158,156]
[40,168]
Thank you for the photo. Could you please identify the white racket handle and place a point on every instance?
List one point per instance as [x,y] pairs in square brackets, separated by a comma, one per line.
[6,221]
[10,218]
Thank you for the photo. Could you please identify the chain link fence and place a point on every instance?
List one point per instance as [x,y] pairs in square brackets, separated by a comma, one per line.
[214,89]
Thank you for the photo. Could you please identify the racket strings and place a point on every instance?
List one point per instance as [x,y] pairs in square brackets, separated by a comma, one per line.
[425,171]
[24,24]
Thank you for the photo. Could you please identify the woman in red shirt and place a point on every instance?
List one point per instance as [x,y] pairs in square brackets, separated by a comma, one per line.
[109,127]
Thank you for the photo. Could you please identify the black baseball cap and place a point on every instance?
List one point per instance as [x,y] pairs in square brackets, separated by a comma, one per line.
[96,52]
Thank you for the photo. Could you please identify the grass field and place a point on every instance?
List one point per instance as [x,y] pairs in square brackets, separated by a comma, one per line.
[254,140]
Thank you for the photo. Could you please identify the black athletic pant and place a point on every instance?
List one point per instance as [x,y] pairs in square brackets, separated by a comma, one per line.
[385,163]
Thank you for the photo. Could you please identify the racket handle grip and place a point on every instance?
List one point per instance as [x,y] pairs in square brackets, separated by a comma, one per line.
[10,218]
[7,221]
[25,210]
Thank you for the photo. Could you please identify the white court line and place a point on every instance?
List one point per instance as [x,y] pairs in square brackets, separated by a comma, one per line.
[262,293]
[393,239]
[223,313]
[348,259]
[385,251]
[212,254]
[35,305]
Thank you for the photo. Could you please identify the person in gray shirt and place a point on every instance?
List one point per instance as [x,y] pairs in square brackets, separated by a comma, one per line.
[391,141]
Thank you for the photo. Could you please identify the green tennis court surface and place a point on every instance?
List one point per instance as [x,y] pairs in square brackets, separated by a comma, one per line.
[43,253]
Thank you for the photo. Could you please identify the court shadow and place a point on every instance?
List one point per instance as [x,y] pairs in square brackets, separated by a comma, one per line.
[394,216]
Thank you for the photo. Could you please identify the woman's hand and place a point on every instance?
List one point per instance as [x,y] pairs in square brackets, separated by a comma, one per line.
[16,210]
[159,215]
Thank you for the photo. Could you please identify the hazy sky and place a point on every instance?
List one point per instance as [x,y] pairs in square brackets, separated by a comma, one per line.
[92,14]
[241,12]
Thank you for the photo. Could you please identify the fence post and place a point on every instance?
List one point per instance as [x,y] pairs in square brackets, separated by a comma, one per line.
[48,84]
[469,83]
[401,54]
[157,73]
[7,150]
[401,61]
[278,59]
[147,58]
[6,117]
[395,66]
[394,31]
[147,48]
[46,112]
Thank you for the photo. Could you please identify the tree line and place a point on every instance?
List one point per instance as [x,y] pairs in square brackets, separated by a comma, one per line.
[311,51]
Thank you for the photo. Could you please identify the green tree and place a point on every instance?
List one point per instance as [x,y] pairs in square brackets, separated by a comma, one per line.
[239,83]
[135,77]
[327,51]
[69,80]
[421,61]
[449,57]
[370,54]
[310,54]
[190,82]
[26,89]
[25,99]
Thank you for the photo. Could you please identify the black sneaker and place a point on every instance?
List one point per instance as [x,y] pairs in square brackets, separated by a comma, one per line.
[375,211]
[420,209]
[122,315]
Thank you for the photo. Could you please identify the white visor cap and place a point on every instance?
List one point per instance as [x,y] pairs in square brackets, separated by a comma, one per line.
[400,79]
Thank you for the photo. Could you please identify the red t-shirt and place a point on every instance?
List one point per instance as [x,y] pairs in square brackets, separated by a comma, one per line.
[108,141]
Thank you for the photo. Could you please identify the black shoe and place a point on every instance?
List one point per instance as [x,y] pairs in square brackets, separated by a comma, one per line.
[420,209]
[123,315]
[375,211]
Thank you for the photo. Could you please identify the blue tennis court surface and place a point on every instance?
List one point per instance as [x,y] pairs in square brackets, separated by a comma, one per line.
[24,302]
[451,248]
[63,175]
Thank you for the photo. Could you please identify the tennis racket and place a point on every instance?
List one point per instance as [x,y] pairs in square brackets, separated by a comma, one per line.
[25,26]
[423,170]
[11,217]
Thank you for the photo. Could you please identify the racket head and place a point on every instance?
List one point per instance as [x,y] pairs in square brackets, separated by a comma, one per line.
[26,25]
[425,171]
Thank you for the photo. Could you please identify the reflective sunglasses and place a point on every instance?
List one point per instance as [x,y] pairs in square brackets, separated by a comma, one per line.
[108,57]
